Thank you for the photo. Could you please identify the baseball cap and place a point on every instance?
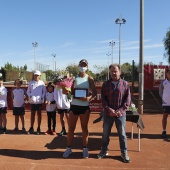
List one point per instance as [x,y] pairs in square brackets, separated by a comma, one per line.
[36,72]
[83,61]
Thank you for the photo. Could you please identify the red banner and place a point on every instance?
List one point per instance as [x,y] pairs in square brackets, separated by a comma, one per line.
[153,75]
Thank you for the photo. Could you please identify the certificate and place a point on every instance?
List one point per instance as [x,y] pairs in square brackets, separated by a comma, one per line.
[78,93]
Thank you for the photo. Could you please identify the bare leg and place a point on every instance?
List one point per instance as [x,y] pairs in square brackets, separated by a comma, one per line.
[39,118]
[32,117]
[62,120]
[16,121]
[84,119]
[22,121]
[72,125]
[1,122]
[67,117]
[164,120]
[4,120]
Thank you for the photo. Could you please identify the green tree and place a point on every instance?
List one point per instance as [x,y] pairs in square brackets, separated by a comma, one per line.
[49,75]
[101,73]
[127,72]
[89,72]
[126,69]
[8,66]
[73,69]
[99,68]
[104,74]
[61,73]
[25,67]
[166,41]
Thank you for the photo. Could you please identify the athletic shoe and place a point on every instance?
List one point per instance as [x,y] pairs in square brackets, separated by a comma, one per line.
[16,129]
[102,154]
[67,153]
[164,134]
[125,157]
[38,131]
[24,130]
[1,128]
[4,130]
[31,130]
[53,132]
[85,153]
[48,132]
[63,132]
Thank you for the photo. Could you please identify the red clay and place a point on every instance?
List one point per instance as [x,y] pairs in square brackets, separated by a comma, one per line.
[42,152]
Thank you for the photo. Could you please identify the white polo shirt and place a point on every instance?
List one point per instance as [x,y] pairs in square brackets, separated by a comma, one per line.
[50,97]
[165,85]
[3,97]
[36,92]
[18,96]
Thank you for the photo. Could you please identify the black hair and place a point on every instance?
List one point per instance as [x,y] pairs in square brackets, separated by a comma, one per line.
[50,84]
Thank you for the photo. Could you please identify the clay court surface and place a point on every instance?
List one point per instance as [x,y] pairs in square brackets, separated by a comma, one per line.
[44,152]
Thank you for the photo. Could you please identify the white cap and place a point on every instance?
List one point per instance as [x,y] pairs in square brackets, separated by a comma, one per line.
[36,72]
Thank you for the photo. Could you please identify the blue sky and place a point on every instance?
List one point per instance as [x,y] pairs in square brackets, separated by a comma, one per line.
[77,29]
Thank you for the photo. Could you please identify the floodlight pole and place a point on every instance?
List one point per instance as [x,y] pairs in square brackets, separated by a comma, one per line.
[141,71]
[120,21]
[54,55]
[35,44]
[112,44]
[108,54]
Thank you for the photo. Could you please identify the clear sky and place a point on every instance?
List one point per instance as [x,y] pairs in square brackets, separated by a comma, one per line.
[77,29]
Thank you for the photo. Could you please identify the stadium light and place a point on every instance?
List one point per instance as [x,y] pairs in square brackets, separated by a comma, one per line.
[35,44]
[120,21]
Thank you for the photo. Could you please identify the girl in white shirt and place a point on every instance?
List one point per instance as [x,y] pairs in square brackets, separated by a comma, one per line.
[51,109]
[18,96]
[63,107]
[3,104]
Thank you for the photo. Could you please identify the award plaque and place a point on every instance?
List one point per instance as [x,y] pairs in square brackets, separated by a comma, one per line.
[78,93]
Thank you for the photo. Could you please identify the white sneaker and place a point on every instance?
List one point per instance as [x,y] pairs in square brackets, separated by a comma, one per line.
[67,152]
[125,157]
[85,153]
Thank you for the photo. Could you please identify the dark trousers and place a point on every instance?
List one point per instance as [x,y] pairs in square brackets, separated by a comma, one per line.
[51,118]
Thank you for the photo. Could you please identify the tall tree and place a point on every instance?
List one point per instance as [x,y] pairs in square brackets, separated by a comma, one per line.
[8,66]
[25,67]
[126,71]
[166,41]
[73,69]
